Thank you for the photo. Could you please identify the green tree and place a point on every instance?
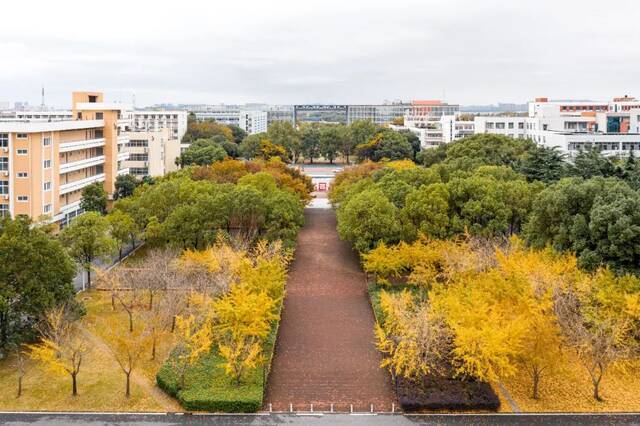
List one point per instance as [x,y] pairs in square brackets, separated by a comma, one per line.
[94,198]
[238,134]
[204,152]
[360,132]
[331,140]
[36,274]
[368,218]
[544,164]
[310,141]
[125,185]
[598,219]
[591,163]
[478,150]
[428,210]
[250,146]
[87,239]
[393,145]
[282,133]
[122,229]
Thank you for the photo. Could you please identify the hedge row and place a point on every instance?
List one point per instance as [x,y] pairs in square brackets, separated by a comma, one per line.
[208,388]
[445,393]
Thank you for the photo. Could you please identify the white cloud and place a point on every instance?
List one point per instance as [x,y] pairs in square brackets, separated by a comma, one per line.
[286,51]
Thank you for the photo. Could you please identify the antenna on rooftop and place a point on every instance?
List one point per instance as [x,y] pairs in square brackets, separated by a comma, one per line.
[133,100]
[42,104]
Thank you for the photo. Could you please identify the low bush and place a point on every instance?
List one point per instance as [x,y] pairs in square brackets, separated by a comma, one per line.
[208,388]
[445,393]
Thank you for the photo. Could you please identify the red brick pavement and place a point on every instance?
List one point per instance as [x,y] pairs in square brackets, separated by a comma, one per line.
[325,351]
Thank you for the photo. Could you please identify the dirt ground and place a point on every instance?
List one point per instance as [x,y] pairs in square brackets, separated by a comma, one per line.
[325,352]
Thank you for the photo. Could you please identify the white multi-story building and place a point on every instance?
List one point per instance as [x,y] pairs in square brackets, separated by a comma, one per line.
[454,128]
[251,121]
[35,116]
[151,153]
[514,127]
[435,122]
[151,121]
[573,126]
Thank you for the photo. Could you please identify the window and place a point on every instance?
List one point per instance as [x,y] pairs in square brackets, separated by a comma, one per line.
[140,171]
[4,140]
[93,99]
[21,135]
[489,125]
[137,143]
[23,198]
[499,125]
[4,164]
[520,125]
[4,187]
[47,164]
[46,186]
[23,174]
[138,157]
[22,152]
[511,125]
[47,208]
[99,116]
[46,142]
[4,210]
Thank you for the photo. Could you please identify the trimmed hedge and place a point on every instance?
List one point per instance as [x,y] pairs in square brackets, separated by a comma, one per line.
[208,388]
[445,393]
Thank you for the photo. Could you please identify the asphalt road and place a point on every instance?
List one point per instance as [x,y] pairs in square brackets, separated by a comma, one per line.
[56,419]
[81,276]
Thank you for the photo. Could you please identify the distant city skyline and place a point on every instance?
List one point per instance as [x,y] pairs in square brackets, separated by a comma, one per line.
[329,51]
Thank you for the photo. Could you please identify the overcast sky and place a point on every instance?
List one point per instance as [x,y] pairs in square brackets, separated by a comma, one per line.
[328,51]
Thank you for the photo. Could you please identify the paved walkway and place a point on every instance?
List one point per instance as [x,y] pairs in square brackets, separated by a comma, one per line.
[325,351]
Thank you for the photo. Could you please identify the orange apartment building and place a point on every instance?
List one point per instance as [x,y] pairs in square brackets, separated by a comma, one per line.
[44,166]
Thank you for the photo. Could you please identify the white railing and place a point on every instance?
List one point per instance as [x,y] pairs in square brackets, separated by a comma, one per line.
[79,184]
[123,156]
[81,164]
[123,171]
[123,139]
[77,145]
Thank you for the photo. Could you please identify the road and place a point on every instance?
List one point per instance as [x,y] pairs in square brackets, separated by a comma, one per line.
[81,277]
[55,419]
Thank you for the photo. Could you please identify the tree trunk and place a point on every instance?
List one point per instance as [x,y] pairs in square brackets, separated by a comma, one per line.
[88,269]
[150,300]
[74,384]
[19,386]
[153,348]
[113,301]
[173,324]
[120,253]
[128,392]
[130,321]
[536,382]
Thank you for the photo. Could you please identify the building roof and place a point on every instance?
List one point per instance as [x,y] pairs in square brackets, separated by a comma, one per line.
[45,126]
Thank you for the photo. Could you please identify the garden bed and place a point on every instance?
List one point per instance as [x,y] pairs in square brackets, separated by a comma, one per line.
[208,388]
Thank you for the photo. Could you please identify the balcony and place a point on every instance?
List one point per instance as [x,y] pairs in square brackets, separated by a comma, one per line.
[123,171]
[81,164]
[123,156]
[79,184]
[78,145]
[123,139]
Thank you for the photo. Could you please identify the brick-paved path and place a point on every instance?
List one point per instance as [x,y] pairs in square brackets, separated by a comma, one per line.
[325,351]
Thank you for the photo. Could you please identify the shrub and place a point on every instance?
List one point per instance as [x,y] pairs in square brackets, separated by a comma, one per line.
[445,393]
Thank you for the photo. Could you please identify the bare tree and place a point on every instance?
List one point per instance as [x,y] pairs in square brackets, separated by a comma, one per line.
[600,340]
